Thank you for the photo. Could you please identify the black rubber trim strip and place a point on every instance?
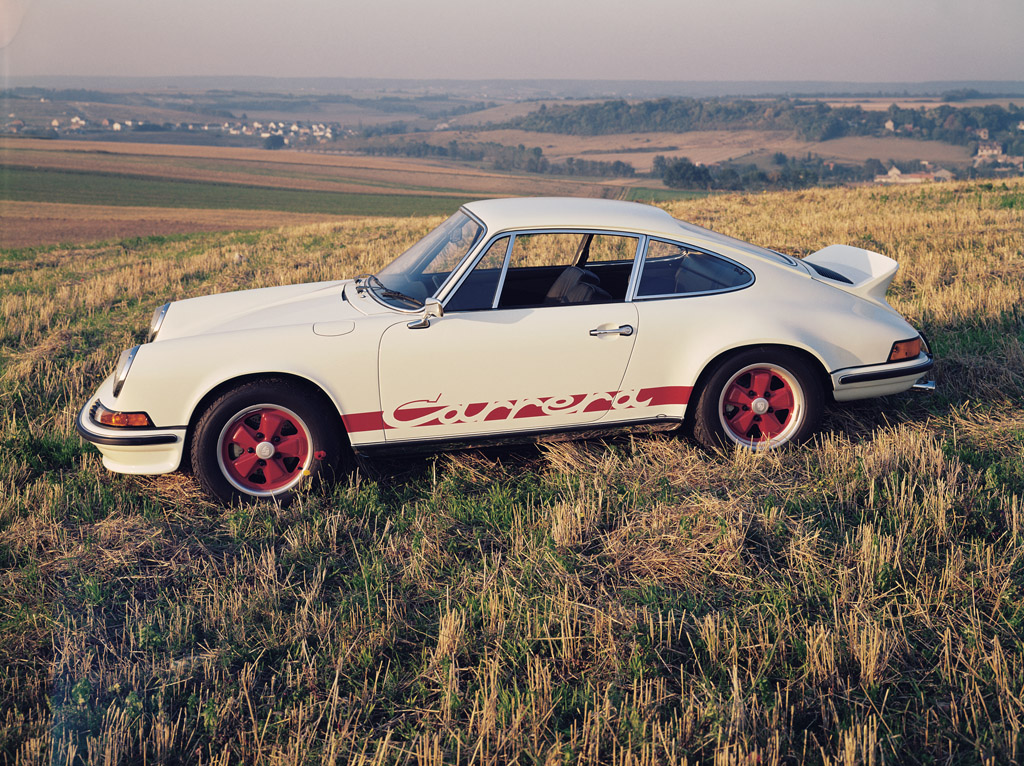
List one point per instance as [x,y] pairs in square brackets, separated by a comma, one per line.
[124,441]
[480,441]
[867,377]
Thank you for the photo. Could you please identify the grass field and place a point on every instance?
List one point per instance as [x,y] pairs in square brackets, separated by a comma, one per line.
[640,601]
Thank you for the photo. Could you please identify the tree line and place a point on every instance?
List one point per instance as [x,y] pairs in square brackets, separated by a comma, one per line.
[811,120]
[502,157]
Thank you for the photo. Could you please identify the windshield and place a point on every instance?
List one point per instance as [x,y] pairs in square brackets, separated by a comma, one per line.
[417,273]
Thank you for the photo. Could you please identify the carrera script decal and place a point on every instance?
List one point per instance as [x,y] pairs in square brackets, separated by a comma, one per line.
[434,412]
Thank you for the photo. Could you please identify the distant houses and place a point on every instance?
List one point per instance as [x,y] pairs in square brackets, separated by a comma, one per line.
[897,176]
[991,153]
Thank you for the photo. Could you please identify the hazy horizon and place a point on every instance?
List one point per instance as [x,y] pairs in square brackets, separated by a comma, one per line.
[743,40]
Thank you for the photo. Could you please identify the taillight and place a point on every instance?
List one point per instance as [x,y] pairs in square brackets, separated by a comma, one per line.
[905,349]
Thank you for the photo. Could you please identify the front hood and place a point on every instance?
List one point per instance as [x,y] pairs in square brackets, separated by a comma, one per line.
[303,304]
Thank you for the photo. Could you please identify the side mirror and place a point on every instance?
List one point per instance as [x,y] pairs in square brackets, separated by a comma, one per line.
[431,308]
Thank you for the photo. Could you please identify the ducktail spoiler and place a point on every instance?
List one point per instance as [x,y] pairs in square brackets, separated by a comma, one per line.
[870,273]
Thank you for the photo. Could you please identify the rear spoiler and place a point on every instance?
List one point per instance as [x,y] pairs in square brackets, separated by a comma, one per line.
[870,273]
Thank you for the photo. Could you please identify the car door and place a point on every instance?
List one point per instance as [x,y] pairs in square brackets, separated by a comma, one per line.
[514,351]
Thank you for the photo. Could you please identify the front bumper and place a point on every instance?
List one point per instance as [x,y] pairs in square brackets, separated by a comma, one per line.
[879,379]
[131,450]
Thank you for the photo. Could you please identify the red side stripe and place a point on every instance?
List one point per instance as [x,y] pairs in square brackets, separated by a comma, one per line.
[665,395]
[364,421]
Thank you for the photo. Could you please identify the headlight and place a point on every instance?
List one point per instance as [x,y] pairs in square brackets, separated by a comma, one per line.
[124,364]
[156,321]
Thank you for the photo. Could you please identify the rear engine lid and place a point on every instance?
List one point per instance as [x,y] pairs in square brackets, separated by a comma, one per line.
[862,272]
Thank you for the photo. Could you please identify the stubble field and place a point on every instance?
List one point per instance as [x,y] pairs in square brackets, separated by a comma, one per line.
[640,601]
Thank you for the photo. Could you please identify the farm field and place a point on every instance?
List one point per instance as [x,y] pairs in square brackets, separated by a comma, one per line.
[631,601]
[34,224]
[42,178]
[708,146]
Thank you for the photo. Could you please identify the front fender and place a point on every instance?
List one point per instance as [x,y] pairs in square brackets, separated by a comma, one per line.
[169,379]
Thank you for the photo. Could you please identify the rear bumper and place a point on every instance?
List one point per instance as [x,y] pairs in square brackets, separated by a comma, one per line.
[880,379]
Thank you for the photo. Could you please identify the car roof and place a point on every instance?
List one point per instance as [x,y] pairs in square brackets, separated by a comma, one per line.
[573,213]
[615,215]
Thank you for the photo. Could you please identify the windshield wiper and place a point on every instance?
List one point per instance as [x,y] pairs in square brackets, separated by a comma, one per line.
[387,292]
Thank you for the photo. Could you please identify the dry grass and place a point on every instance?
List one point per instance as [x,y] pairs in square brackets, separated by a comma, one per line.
[856,601]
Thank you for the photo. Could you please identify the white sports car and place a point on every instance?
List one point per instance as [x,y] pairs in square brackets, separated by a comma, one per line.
[514,320]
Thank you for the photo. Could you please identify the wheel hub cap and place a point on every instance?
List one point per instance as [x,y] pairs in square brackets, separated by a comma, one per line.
[264,449]
[761,406]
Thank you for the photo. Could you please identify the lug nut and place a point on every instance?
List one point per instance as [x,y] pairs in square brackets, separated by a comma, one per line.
[250,450]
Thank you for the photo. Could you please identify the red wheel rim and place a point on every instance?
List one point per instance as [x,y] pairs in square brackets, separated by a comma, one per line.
[761,406]
[264,450]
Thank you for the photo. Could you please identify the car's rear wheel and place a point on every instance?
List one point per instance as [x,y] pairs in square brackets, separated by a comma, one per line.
[759,399]
[265,440]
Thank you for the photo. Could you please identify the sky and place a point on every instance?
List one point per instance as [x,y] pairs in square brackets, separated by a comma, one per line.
[845,40]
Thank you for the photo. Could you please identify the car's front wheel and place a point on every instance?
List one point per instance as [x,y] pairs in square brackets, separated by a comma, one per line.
[265,440]
[759,399]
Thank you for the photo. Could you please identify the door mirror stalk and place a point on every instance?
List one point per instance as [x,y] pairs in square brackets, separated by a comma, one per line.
[431,308]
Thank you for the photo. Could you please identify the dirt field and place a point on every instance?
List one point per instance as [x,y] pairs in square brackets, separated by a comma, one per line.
[29,224]
[283,169]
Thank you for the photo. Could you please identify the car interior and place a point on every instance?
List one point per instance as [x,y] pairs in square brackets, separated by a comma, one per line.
[679,271]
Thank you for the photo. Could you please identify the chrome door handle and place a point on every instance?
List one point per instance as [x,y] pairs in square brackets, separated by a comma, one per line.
[623,330]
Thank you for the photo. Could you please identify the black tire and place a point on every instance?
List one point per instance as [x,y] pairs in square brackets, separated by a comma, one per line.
[235,461]
[735,407]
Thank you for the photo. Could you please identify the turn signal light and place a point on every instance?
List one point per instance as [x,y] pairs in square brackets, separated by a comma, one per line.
[106,417]
[905,349]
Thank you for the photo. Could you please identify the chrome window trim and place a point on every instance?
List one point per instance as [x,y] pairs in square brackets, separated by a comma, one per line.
[638,267]
[641,240]
[753,277]
[441,293]
[504,270]
[474,261]
[457,274]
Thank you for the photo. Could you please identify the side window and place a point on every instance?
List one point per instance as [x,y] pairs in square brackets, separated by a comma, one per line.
[567,268]
[674,269]
[476,292]
[607,248]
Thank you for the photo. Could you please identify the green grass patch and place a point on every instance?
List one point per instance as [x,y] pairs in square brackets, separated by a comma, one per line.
[645,194]
[90,188]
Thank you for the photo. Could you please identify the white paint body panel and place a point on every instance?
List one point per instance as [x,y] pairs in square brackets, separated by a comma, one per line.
[508,371]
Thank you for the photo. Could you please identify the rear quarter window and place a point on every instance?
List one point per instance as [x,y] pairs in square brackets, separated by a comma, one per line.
[671,268]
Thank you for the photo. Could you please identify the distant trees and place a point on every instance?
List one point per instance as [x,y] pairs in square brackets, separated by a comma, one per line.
[812,120]
[680,173]
[783,173]
[502,157]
